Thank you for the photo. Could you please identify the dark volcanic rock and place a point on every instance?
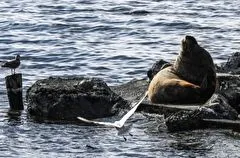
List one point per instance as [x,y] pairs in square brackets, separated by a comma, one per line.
[62,98]
[229,87]
[157,66]
[232,65]
[216,108]
[132,90]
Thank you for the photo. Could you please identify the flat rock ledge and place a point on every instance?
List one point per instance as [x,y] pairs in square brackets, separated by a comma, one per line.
[65,98]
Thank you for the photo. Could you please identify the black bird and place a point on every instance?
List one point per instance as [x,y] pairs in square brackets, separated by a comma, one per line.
[13,64]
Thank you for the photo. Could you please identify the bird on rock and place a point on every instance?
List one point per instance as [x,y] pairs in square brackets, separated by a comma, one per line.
[13,64]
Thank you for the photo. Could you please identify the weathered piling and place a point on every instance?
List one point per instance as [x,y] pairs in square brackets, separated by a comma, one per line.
[14,91]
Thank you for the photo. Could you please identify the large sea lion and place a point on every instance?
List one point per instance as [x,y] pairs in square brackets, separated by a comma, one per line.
[191,78]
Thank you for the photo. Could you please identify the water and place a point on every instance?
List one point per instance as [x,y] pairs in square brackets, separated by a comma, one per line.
[117,41]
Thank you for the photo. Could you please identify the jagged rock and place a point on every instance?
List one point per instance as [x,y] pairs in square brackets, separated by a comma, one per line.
[157,66]
[229,87]
[232,65]
[216,108]
[65,98]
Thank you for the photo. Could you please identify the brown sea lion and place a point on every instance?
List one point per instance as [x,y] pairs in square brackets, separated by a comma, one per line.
[191,79]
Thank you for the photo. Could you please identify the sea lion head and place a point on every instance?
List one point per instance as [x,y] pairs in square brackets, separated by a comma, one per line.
[189,46]
[193,53]
[193,62]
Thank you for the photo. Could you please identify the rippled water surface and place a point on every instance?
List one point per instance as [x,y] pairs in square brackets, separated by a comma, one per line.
[117,41]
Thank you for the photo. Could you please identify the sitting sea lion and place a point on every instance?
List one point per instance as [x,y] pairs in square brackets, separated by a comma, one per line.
[191,79]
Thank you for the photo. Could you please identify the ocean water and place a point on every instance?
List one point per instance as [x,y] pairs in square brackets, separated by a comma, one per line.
[116,41]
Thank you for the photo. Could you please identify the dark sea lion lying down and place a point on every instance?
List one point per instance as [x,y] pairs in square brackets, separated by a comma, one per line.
[191,79]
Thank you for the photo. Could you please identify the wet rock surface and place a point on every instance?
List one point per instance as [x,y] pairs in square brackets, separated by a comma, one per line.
[66,98]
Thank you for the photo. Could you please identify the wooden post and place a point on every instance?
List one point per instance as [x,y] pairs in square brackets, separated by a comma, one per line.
[14,91]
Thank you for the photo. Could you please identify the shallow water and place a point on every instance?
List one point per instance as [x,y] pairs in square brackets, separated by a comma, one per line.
[116,41]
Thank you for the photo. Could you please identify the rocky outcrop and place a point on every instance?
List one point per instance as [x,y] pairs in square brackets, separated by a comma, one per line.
[65,98]
[60,98]
[229,87]
[157,66]
[224,104]
[232,65]
[216,108]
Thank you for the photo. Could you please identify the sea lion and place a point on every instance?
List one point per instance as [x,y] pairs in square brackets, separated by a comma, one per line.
[191,78]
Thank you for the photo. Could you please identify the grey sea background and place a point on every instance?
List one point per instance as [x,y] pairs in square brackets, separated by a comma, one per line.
[117,41]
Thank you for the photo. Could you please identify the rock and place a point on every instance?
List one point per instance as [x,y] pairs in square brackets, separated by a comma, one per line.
[224,104]
[157,66]
[184,117]
[232,65]
[65,98]
[132,90]
[229,87]
[216,108]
